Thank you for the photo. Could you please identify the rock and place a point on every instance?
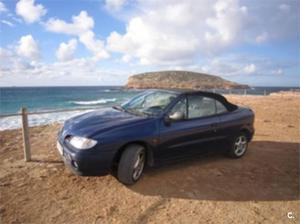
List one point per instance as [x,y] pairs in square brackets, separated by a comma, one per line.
[180,80]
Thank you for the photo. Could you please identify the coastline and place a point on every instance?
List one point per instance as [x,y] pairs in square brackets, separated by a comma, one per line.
[263,181]
[14,122]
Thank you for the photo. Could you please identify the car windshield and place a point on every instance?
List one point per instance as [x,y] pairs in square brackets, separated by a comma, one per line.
[149,102]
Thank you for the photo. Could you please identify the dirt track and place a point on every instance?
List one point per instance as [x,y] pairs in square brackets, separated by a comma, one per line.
[262,187]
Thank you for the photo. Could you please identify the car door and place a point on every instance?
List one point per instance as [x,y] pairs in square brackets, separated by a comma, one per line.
[198,127]
[229,124]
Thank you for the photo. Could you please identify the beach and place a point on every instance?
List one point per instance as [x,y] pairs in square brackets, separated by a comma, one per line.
[261,187]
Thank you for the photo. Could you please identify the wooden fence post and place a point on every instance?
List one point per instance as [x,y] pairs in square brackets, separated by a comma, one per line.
[245,92]
[25,130]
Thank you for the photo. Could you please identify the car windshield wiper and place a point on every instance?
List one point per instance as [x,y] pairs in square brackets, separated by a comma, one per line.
[123,109]
[120,108]
[131,111]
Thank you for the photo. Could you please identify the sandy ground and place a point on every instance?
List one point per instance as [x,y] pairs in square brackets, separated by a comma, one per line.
[261,187]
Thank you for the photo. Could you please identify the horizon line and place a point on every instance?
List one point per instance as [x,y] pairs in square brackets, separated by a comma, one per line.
[17,86]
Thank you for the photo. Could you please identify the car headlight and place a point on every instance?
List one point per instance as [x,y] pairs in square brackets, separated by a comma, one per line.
[81,142]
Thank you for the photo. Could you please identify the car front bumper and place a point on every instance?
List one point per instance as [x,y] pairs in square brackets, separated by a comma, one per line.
[85,163]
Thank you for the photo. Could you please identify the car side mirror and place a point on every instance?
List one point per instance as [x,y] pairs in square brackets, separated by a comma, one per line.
[176,116]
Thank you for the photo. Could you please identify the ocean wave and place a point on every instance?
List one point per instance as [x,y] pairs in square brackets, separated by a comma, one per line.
[14,122]
[94,102]
[112,90]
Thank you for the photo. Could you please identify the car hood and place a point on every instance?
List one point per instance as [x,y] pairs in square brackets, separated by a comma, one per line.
[99,121]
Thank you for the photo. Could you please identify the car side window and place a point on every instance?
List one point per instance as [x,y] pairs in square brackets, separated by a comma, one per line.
[220,107]
[180,106]
[200,106]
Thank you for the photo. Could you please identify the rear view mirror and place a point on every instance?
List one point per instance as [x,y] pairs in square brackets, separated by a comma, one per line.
[177,116]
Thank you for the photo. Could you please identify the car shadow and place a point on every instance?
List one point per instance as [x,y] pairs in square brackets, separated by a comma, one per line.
[269,171]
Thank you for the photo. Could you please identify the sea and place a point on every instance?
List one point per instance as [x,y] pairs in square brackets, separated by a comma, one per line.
[79,99]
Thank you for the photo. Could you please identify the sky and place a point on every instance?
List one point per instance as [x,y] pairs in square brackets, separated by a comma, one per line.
[103,42]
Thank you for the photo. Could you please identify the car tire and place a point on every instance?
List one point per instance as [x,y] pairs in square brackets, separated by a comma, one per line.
[131,164]
[238,146]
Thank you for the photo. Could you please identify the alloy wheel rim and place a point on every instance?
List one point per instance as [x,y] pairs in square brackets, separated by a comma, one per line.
[240,145]
[138,165]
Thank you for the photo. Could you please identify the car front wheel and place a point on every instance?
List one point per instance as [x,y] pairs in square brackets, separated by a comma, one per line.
[238,146]
[131,164]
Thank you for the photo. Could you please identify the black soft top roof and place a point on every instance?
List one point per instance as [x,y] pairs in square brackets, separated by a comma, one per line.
[229,106]
[219,97]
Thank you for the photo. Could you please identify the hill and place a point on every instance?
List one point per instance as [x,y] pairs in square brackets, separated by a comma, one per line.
[180,80]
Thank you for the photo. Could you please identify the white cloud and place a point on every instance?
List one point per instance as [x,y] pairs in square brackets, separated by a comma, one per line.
[28,48]
[2,7]
[65,51]
[10,61]
[278,71]
[176,32]
[192,34]
[16,19]
[224,66]
[249,69]
[29,11]
[239,67]
[263,37]
[8,23]
[226,23]
[94,45]
[284,8]
[15,70]
[126,58]
[114,5]
[278,20]
[81,26]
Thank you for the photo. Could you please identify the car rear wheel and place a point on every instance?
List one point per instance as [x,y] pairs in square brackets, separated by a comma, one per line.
[238,146]
[131,164]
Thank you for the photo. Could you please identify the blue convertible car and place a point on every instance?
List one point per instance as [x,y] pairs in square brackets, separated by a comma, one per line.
[150,129]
